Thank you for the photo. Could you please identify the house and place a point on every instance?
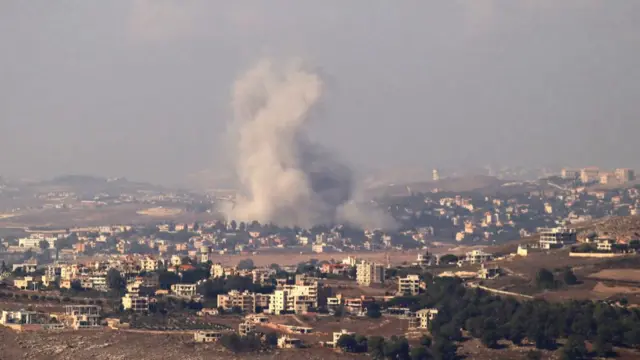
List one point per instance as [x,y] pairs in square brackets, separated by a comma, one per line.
[486,273]
[357,305]
[477,257]
[551,238]
[186,291]
[425,316]
[246,328]
[605,244]
[26,283]
[409,285]
[368,273]
[286,342]
[208,312]
[135,303]
[207,336]
[26,268]
[246,301]
[83,316]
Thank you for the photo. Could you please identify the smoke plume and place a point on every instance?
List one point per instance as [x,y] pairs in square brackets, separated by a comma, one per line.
[285,178]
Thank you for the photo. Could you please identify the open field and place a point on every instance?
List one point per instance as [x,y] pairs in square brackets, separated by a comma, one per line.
[112,344]
[160,212]
[113,214]
[632,275]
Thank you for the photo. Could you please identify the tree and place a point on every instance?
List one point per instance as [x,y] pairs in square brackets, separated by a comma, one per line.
[534,355]
[569,277]
[420,353]
[545,279]
[373,310]
[426,341]
[347,343]
[233,225]
[246,264]
[490,339]
[603,344]
[443,349]
[448,259]
[271,339]
[574,349]
[44,245]
[115,281]
[376,347]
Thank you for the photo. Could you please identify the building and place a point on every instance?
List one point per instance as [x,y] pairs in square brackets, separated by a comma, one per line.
[425,317]
[625,175]
[486,273]
[570,174]
[217,271]
[319,248]
[286,342]
[135,303]
[368,273]
[83,316]
[26,268]
[246,328]
[477,257]
[589,175]
[33,241]
[186,291]
[605,244]
[556,237]
[435,175]
[148,264]
[204,336]
[409,285]
[608,178]
[246,301]
[22,317]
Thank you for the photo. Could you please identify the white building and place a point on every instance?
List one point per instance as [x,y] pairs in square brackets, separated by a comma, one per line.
[425,316]
[33,241]
[217,271]
[551,238]
[148,264]
[409,285]
[184,290]
[368,273]
[477,257]
[135,303]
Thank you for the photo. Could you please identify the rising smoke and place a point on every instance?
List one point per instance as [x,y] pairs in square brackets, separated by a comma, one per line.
[285,178]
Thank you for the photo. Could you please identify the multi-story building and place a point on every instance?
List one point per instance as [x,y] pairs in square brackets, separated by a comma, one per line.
[409,285]
[368,273]
[135,303]
[243,300]
[556,237]
[83,316]
[148,264]
[217,271]
[184,290]
[569,174]
[625,175]
[590,174]
[477,257]
[246,328]
[425,317]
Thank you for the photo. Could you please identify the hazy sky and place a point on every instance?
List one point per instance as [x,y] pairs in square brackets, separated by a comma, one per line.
[141,88]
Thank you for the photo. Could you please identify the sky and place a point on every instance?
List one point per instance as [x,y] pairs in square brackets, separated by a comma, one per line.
[142,88]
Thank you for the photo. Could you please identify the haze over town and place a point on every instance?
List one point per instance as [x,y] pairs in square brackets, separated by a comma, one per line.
[142,89]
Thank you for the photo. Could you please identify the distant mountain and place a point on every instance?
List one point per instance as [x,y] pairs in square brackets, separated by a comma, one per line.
[457,184]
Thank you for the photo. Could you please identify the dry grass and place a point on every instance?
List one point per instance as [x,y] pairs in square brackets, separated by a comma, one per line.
[160,212]
[618,275]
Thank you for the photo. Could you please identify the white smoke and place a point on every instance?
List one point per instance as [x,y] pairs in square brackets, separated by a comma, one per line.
[285,178]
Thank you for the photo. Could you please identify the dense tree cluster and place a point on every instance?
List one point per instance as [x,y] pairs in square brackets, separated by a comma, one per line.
[491,319]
